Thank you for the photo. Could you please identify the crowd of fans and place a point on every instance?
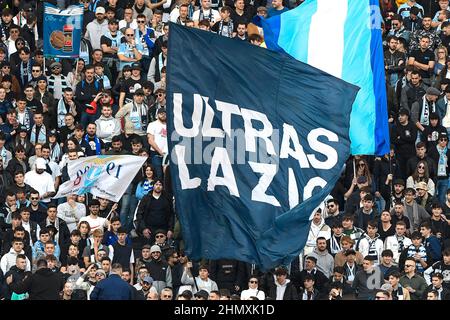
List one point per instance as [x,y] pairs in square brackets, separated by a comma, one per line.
[382,234]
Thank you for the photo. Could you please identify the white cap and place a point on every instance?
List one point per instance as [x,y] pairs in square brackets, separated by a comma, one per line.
[100,10]
[40,163]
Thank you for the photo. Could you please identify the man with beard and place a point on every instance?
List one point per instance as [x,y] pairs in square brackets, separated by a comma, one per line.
[97,28]
[56,81]
[91,144]
[95,222]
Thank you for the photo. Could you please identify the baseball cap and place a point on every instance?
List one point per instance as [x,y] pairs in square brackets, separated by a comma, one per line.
[148,279]
[55,64]
[139,92]
[421,185]
[100,10]
[135,66]
[399,181]
[161,110]
[40,163]
[433,91]
[100,271]
[443,135]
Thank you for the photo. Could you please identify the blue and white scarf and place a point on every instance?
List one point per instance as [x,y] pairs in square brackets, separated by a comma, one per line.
[98,148]
[42,137]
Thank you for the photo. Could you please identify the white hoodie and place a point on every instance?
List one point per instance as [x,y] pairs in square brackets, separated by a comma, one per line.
[9,260]
[281,288]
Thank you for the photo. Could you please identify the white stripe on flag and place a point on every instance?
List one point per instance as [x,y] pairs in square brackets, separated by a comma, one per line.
[326,35]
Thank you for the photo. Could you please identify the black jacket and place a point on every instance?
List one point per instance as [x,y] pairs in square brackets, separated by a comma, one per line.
[290,293]
[155,213]
[18,276]
[42,285]
[227,273]
[64,233]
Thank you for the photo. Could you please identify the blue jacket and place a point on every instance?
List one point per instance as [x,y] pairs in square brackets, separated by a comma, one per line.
[112,288]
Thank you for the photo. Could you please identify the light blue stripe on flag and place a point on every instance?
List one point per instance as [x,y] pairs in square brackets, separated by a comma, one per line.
[293,35]
[357,69]
[345,34]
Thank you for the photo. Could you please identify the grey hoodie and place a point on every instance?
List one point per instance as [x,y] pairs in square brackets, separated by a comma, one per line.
[107,128]
[325,261]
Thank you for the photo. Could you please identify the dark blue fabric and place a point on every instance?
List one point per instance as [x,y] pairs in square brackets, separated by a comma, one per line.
[216,224]
[112,288]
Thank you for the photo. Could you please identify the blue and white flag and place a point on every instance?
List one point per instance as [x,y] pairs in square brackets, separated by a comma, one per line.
[105,176]
[343,38]
[62,31]
[257,141]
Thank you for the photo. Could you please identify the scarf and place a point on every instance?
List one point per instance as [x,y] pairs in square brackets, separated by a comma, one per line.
[422,251]
[56,225]
[4,156]
[426,109]
[400,242]
[138,116]
[335,245]
[139,11]
[202,16]
[442,163]
[148,186]
[98,148]
[55,152]
[51,82]
[41,137]
[26,119]
[62,109]
[25,73]
[228,32]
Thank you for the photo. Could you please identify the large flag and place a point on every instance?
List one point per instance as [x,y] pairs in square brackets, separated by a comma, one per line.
[103,176]
[251,153]
[62,31]
[343,38]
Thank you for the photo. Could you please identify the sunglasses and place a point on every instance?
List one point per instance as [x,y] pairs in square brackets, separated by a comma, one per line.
[35,70]
[159,236]
[34,198]
[141,21]
[330,206]
[54,68]
[167,296]
[253,281]
[421,167]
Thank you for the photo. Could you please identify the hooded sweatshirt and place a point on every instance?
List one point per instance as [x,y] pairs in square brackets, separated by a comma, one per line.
[9,260]
[107,128]
[316,231]
[281,288]
[325,262]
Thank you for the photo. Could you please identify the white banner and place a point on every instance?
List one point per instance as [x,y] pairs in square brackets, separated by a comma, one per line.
[103,176]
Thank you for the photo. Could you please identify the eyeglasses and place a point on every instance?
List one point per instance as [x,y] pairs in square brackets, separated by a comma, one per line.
[253,281]
[141,21]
